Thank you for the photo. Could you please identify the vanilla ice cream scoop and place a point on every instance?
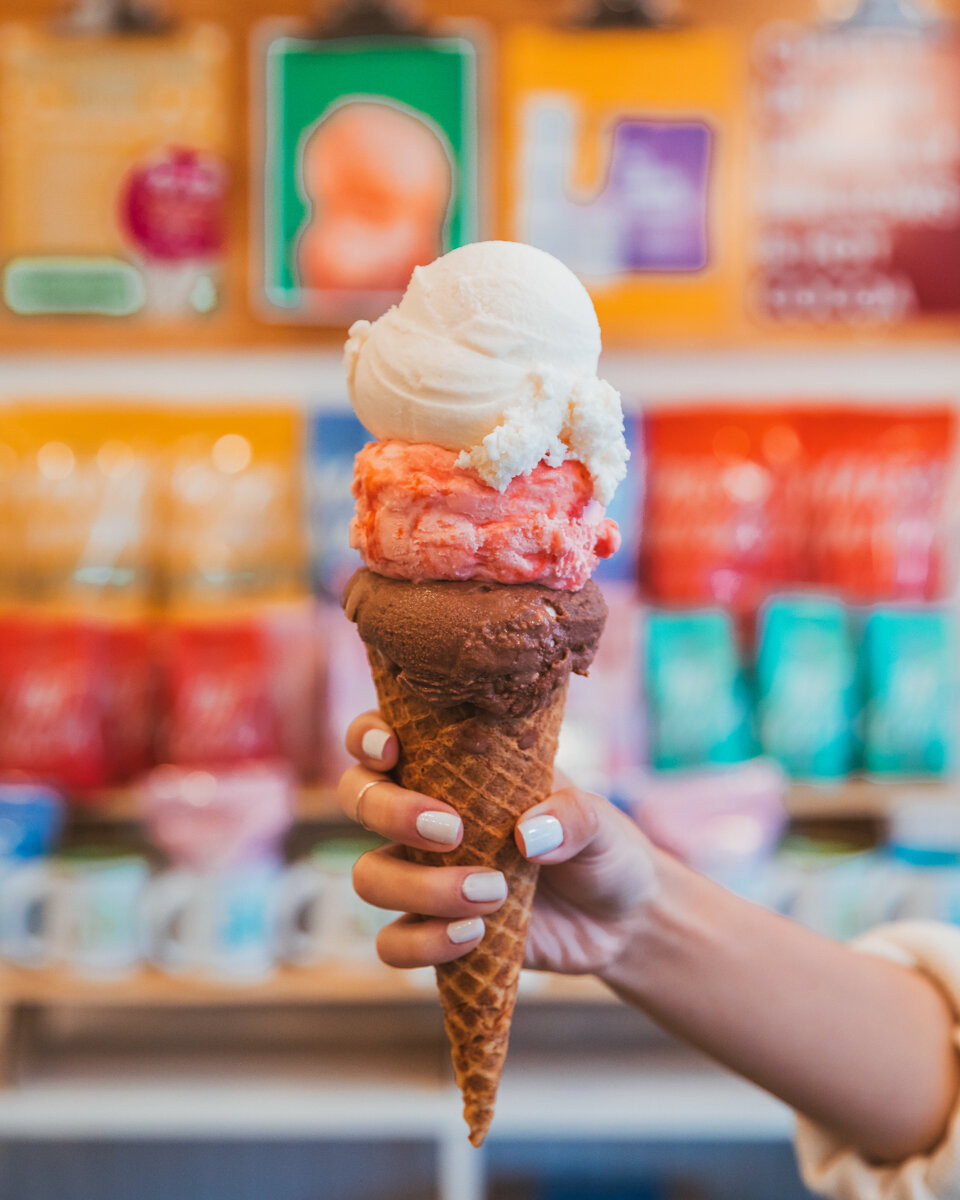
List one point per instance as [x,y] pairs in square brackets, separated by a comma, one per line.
[492,351]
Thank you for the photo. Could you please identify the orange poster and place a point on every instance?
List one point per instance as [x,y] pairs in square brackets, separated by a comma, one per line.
[623,156]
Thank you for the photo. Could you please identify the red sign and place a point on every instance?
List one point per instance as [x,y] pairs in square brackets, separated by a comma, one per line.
[857,175]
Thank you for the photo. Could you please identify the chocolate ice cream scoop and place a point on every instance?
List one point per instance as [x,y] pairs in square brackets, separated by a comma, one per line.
[506,649]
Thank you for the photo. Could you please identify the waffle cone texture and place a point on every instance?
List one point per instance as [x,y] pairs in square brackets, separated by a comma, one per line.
[490,771]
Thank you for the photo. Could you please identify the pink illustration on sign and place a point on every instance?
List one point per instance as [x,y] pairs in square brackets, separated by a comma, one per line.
[173,211]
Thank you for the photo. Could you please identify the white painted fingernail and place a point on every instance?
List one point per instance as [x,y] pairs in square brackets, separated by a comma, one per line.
[465,931]
[484,886]
[439,827]
[373,742]
[540,834]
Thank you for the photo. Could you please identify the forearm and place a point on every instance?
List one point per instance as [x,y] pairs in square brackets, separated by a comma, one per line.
[859,1045]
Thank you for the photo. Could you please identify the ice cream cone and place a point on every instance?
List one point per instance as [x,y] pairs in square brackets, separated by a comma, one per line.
[480,517]
[490,772]
[473,677]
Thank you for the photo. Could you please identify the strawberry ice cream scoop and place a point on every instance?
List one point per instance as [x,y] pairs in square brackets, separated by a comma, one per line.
[419,516]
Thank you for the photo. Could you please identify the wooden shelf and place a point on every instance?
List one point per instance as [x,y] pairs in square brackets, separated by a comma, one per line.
[863,799]
[347,982]
[120,805]
[23,992]
[850,799]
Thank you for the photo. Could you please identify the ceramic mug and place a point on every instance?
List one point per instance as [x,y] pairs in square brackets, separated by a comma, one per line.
[345,927]
[80,908]
[219,922]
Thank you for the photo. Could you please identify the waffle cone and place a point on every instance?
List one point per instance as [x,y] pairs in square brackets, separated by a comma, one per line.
[490,770]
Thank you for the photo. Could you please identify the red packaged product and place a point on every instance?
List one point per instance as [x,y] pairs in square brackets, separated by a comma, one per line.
[75,700]
[723,513]
[877,503]
[52,673]
[215,694]
[128,699]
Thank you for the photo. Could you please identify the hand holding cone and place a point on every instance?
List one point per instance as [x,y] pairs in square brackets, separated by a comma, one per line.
[480,518]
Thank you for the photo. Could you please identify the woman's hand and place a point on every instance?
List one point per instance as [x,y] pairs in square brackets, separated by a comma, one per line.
[598,871]
[861,1045]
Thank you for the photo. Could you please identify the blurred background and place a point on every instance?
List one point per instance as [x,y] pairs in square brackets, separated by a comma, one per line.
[197,197]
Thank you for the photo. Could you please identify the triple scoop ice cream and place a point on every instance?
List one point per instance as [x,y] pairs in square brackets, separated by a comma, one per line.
[480,517]
[492,357]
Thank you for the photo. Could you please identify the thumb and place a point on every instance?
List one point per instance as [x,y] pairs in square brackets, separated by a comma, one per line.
[563,826]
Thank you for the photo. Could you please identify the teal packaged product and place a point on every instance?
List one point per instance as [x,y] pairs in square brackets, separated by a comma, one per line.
[909,671]
[807,696]
[698,698]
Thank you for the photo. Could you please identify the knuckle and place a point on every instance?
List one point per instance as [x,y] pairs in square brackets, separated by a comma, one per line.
[385,949]
[583,809]
[590,813]
[347,781]
[361,874]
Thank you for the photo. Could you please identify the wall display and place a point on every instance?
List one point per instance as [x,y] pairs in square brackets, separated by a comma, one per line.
[856,175]
[621,156]
[114,175]
[369,168]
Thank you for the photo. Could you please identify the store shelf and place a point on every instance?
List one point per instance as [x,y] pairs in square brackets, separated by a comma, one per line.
[909,374]
[120,805]
[25,993]
[851,799]
[336,982]
[862,799]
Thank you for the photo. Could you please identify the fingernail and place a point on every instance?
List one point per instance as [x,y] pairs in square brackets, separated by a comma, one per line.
[540,834]
[465,931]
[484,886]
[439,827]
[373,742]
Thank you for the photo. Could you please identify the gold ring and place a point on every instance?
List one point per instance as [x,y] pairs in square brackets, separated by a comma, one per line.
[371,783]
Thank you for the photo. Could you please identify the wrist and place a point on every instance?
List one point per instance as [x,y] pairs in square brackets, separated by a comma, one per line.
[672,928]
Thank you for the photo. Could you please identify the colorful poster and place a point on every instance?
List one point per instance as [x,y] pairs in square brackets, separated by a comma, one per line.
[622,150]
[369,169]
[114,180]
[856,186]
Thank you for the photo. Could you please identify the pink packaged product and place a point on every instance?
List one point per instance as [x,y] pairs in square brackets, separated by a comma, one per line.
[210,819]
[345,688]
[719,821]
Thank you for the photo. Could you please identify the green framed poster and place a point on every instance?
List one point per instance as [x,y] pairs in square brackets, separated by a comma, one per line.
[369,169]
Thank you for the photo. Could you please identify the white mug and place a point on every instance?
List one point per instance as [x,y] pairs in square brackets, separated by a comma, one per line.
[299,915]
[218,922]
[80,908]
[27,891]
[348,926]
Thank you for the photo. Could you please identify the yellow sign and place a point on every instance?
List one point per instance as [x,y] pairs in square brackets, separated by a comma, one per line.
[623,155]
[112,166]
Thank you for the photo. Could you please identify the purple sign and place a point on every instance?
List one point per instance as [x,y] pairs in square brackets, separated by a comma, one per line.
[659,182]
